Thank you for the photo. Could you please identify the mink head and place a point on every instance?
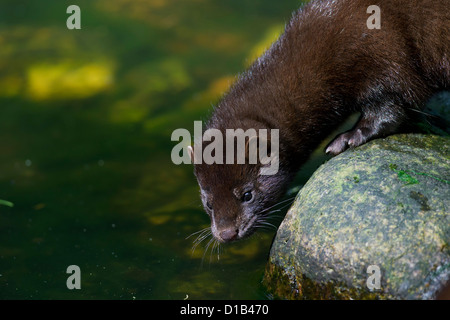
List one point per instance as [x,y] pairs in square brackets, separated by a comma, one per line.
[238,197]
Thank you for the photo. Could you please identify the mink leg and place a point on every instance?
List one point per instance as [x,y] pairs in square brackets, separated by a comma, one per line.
[369,126]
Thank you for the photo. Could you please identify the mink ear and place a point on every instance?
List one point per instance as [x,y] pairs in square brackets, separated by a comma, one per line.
[190,150]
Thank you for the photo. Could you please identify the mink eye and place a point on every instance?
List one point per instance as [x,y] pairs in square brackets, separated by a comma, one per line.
[247,196]
[209,205]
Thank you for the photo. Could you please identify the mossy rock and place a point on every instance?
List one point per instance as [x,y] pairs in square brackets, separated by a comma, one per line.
[384,204]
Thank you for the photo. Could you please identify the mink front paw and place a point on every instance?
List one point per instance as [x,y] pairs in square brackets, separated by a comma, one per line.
[345,140]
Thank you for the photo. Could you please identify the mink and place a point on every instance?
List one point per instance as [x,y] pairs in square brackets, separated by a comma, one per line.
[327,65]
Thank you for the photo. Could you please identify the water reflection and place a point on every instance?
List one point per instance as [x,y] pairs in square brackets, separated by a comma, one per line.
[86,119]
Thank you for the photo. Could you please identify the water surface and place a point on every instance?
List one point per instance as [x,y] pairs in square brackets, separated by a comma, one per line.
[85,123]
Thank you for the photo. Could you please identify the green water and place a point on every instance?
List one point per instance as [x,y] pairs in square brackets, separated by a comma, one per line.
[85,123]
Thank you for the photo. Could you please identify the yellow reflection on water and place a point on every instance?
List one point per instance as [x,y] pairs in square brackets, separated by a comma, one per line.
[66,80]
[159,77]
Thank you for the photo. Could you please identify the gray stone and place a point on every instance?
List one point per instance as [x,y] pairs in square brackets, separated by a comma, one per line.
[384,204]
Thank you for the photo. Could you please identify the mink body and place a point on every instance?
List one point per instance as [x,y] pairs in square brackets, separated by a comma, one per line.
[326,65]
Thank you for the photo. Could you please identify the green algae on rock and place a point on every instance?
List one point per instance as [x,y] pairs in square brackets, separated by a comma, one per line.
[384,204]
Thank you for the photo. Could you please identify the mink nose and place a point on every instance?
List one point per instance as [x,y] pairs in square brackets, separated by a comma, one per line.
[228,234]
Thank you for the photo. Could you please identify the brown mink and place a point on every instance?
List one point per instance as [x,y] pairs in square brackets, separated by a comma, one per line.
[326,65]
